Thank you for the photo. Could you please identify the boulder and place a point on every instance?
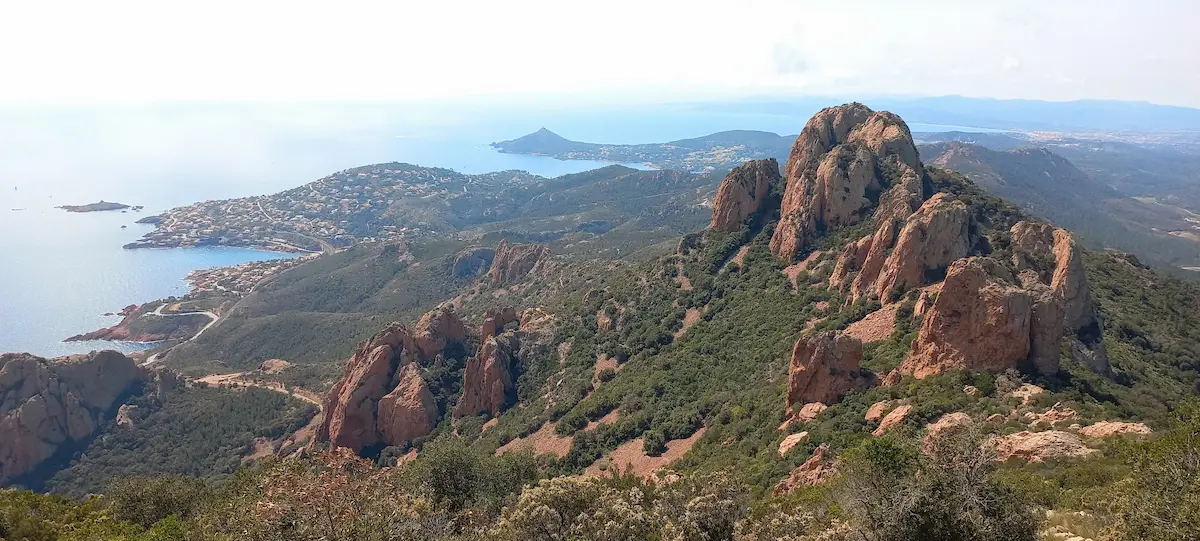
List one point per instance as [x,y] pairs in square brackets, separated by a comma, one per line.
[943,425]
[823,367]
[836,170]
[1108,429]
[46,404]
[789,442]
[892,419]
[876,411]
[742,193]
[512,262]
[809,411]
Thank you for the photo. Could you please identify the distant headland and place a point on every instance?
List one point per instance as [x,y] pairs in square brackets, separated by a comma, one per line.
[99,207]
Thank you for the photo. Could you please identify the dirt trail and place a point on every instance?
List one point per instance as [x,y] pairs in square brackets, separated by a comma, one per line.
[236,378]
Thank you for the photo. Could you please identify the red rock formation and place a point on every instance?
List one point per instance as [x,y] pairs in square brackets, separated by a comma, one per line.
[356,412]
[488,379]
[930,240]
[513,262]
[408,411]
[1056,257]
[1038,446]
[823,368]
[45,404]
[836,165]
[437,329]
[981,320]
[742,193]
[494,321]
[892,419]
[818,469]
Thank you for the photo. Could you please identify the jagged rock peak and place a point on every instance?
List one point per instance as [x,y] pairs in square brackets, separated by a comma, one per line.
[843,160]
[823,368]
[742,193]
[48,403]
[489,380]
[513,262]
[1058,260]
[378,400]
[909,253]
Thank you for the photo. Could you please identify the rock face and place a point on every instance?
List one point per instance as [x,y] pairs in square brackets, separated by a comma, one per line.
[489,382]
[378,399]
[48,404]
[910,252]
[472,262]
[513,262]
[742,193]
[823,368]
[437,329]
[843,160]
[818,469]
[1108,429]
[1056,257]
[981,320]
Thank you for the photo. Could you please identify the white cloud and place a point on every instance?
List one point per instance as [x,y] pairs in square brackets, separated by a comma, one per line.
[142,50]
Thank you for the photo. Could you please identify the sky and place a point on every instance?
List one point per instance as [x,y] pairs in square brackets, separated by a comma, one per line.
[134,51]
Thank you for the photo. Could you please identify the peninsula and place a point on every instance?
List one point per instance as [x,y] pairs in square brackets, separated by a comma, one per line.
[713,152]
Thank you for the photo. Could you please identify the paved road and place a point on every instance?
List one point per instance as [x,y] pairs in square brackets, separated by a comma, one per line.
[158,312]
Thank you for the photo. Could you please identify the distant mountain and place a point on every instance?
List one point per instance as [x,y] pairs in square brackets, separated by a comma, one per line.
[542,142]
[1048,185]
[714,152]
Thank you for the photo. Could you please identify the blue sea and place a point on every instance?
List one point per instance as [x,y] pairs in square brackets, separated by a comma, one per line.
[60,271]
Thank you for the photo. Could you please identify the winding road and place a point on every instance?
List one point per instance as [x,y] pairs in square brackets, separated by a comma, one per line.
[213,317]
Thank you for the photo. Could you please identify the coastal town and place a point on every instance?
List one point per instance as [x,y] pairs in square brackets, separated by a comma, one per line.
[377,202]
[238,279]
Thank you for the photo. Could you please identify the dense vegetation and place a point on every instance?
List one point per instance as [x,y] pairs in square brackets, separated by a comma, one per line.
[887,491]
[200,431]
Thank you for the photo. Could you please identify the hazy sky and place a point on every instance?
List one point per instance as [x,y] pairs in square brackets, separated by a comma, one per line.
[162,50]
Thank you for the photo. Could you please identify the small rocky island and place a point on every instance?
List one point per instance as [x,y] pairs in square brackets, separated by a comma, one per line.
[101,206]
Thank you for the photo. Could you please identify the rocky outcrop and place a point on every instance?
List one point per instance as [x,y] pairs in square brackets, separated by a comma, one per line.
[791,441]
[843,160]
[742,193]
[818,469]
[377,399]
[513,262]
[1108,429]
[1057,259]
[472,262]
[1039,446]
[892,419]
[408,411]
[823,368]
[915,252]
[47,405]
[494,321]
[489,382]
[437,329]
[982,320]
[944,425]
